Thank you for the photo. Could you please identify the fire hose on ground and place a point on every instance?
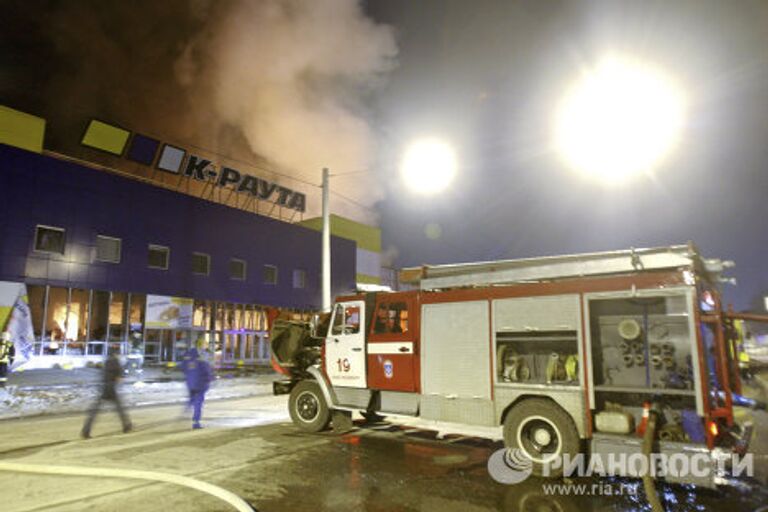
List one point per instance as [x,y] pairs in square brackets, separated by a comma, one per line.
[229,497]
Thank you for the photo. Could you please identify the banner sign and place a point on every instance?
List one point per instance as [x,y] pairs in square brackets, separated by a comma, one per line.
[168,312]
[16,318]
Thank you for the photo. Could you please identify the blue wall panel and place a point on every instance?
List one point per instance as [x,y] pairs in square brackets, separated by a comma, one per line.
[37,189]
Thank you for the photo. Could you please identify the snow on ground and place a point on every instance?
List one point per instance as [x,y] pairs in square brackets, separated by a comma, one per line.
[22,401]
[162,440]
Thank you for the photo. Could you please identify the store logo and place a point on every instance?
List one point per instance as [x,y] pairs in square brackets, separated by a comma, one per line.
[201,169]
[144,150]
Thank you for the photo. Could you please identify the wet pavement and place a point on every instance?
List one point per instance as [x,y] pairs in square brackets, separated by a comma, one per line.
[374,470]
[250,448]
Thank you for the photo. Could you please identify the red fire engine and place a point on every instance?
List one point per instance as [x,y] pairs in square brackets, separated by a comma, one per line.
[562,352]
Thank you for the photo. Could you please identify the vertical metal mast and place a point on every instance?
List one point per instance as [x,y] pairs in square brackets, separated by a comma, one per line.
[326,258]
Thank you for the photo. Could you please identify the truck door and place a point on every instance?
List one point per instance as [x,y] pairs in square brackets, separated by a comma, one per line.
[393,343]
[345,345]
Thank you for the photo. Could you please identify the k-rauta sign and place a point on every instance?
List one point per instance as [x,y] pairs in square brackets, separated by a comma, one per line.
[200,169]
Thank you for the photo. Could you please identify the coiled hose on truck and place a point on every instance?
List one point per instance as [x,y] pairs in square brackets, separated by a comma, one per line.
[648,480]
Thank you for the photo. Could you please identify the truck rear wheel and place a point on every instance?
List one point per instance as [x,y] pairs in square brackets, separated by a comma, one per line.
[308,408]
[543,432]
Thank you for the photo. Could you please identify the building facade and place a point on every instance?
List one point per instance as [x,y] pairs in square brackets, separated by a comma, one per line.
[99,252]
[368,241]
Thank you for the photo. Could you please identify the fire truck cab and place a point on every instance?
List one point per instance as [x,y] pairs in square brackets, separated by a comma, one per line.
[564,353]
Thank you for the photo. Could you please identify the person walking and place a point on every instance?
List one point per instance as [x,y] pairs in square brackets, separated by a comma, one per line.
[7,353]
[113,372]
[198,374]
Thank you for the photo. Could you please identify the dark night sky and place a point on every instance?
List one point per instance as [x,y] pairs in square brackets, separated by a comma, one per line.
[485,75]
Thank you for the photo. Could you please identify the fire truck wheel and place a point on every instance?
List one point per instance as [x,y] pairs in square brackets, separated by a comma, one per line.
[308,408]
[543,432]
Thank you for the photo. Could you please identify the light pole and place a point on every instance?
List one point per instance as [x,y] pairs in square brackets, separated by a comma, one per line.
[326,251]
[428,167]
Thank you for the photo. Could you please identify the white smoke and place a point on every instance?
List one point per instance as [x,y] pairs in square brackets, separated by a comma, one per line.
[291,74]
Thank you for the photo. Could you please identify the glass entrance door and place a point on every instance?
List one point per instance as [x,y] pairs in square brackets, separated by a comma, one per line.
[166,345]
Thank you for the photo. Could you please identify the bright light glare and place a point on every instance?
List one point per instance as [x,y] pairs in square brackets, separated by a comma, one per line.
[429,166]
[619,121]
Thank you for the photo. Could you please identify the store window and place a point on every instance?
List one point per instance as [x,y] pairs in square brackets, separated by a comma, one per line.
[270,274]
[50,239]
[201,263]
[237,269]
[299,278]
[136,316]
[56,321]
[250,318]
[218,315]
[108,249]
[117,316]
[158,257]
[239,317]
[261,320]
[201,317]
[78,316]
[36,296]
[230,316]
[99,315]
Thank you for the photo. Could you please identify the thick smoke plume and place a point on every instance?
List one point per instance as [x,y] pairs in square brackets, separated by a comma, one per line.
[281,83]
[289,74]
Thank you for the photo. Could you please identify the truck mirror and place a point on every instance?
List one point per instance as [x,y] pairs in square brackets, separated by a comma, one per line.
[313,323]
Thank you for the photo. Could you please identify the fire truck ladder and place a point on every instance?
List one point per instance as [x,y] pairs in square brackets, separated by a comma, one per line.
[434,277]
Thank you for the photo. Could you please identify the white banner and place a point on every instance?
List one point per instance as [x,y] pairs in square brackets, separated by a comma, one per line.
[20,327]
[18,322]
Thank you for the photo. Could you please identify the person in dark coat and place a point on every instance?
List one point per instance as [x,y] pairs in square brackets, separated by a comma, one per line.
[113,372]
[198,374]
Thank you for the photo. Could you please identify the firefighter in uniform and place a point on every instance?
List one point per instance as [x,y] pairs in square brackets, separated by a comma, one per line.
[7,353]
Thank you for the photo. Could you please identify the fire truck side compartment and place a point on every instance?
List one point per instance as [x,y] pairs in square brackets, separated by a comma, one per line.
[399,403]
[523,325]
[456,363]
[352,397]
[549,313]
[619,448]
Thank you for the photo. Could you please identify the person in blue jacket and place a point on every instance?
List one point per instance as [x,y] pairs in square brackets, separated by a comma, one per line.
[198,374]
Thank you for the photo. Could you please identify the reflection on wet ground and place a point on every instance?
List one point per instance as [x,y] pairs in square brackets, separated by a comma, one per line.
[389,470]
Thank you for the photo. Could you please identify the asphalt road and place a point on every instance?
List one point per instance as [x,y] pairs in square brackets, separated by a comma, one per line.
[250,448]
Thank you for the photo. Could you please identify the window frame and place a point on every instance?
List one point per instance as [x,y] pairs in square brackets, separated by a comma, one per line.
[299,272]
[264,277]
[119,249]
[50,228]
[245,269]
[339,325]
[207,263]
[167,250]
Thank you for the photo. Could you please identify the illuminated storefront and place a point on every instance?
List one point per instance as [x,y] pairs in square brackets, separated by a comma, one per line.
[93,246]
[81,322]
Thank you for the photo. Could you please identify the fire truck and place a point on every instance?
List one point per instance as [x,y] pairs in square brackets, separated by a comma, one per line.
[564,353]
